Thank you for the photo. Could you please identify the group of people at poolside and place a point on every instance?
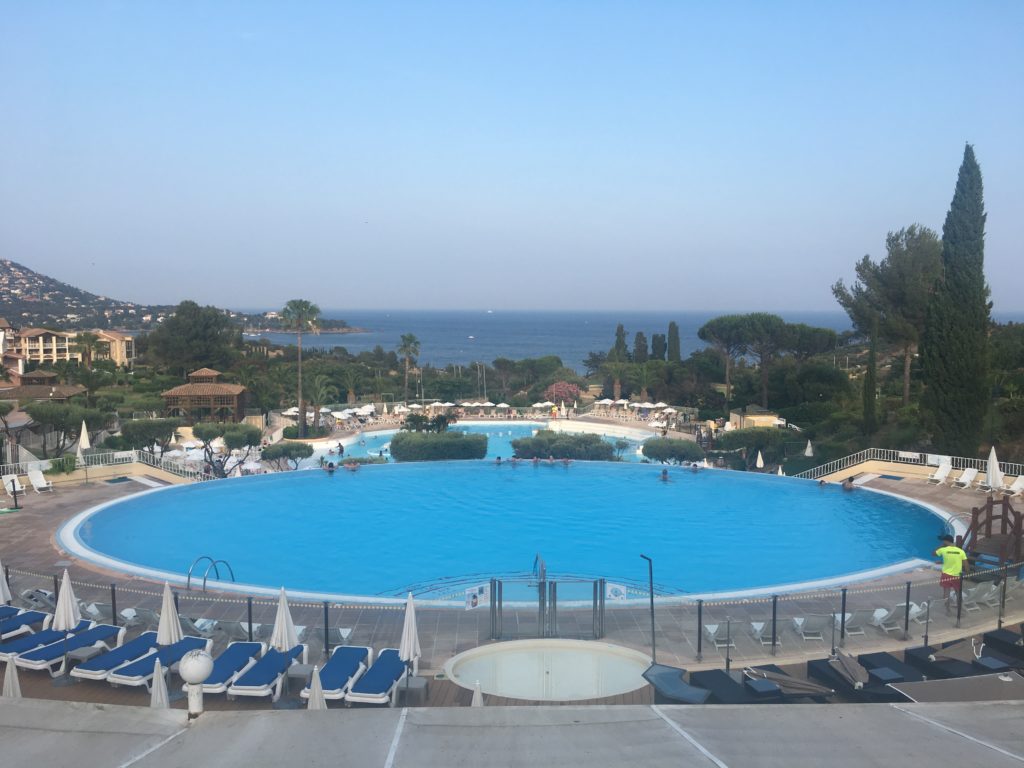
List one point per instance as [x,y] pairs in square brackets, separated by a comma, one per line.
[534,460]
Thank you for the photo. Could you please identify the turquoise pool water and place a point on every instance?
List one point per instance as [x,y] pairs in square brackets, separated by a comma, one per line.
[385,528]
[499,440]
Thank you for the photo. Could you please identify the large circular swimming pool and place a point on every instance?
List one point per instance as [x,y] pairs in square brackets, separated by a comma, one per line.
[430,527]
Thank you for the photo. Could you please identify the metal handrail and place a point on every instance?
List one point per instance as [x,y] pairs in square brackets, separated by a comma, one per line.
[907,457]
[213,565]
[216,570]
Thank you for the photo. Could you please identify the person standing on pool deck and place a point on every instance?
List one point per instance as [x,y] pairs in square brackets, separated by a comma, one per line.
[953,559]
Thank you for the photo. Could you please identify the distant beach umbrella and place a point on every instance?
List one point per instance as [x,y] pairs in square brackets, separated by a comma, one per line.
[660,404]
[809,450]
[284,636]
[415,406]
[780,473]
[158,698]
[5,589]
[478,696]
[12,686]
[83,439]
[168,631]
[317,700]
[760,461]
[409,647]
[67,613]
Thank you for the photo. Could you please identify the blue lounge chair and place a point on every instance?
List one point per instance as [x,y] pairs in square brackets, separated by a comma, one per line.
[12,648]
[730,688]
[670,688]
[55,653]
[140,672]
[381,680]
[101,666]
[346,665]
[237,659]
[265,676]
[1007,642]
[872,691]
[933,663]
[21,623]
[873,661]
[6,611]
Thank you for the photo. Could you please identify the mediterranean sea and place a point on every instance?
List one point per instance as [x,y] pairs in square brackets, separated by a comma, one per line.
[462,337]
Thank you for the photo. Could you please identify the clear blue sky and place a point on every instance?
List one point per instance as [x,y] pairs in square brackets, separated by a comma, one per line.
[665,155]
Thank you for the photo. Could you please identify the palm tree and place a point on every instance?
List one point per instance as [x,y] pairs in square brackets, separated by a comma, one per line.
[86,344]
[300,315]
[351,378]
[321,391]
[408,349]
[616,371]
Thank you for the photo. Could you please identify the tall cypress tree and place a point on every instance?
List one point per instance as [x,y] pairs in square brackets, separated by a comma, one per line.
[619,352]
[954,346]
[640,354]
[674,355]
[658,346]
[871,384]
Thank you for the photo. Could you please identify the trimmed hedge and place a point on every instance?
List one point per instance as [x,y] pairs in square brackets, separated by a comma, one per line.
[559,445]
[672,451]
[437,446]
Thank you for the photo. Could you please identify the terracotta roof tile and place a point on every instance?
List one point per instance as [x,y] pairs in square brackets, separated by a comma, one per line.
[204,390]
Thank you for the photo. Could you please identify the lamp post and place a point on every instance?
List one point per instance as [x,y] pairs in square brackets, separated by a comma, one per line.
[650,581]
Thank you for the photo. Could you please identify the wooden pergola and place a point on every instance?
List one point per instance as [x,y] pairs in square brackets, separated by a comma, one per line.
[205,398]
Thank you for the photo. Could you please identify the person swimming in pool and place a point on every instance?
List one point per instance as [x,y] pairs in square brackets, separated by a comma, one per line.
[664,475]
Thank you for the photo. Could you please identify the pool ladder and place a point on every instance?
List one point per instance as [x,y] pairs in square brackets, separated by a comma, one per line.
[212,566]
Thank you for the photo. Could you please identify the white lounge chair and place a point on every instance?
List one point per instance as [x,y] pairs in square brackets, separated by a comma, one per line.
[718,635]
[939,475]
[892,619]
[762,632]
[980,594]
[1016,488]
[966,479]
[39,481]
[12,484]
[855,620]
[813,626]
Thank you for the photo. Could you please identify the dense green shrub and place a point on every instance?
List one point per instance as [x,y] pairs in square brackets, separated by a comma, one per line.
[292,433]
[771,442]
[672,451]
[287,455]
[437,446]
[559,445]
[63,465]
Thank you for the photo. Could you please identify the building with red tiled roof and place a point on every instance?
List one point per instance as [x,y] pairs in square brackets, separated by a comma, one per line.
[205,398]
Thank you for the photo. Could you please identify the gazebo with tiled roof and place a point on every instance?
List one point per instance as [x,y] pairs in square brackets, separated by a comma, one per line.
[205,398]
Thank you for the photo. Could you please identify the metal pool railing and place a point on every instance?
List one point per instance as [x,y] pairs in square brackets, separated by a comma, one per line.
[907,457]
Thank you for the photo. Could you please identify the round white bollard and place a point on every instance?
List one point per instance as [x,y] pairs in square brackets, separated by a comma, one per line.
[194,668]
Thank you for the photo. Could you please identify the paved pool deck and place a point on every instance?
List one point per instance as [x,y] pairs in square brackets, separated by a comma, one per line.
[29,549]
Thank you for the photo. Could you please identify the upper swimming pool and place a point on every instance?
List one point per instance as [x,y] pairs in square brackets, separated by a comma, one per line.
[387,528]
[500,435]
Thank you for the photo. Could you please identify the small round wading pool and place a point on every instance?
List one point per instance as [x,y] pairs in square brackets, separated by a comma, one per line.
[550,670]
